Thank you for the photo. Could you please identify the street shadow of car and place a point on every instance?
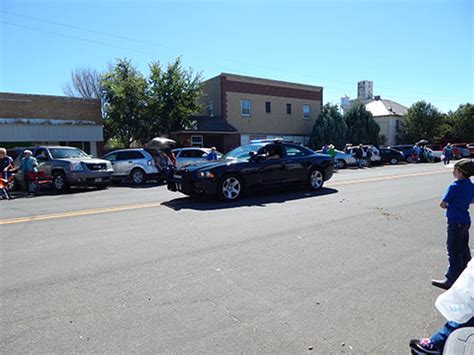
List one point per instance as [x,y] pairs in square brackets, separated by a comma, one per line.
[259,199]
[129,185]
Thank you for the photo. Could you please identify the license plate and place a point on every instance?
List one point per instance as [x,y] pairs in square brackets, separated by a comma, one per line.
[97,179]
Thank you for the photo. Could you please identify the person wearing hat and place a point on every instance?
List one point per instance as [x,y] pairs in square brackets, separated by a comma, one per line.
[28,164]
[456,201]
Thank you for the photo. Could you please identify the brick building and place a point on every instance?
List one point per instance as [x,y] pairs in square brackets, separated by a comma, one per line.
[54,120]
[254,108]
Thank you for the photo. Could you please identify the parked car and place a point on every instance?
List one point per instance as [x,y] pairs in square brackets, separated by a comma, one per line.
[66,166]
[192,155]
[437,151]
[471,148]
[375,153]
[406,149]
[460,150]
[342,159]
[391,156]
[254,166]
[139,165]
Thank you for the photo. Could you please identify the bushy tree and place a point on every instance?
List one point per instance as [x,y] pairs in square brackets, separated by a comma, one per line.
[361,126]
[137,108]
[123,94]
[172,97]
[422,121]
[329,128]
[463,123]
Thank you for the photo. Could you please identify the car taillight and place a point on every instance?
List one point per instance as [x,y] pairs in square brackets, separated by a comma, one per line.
[150,162]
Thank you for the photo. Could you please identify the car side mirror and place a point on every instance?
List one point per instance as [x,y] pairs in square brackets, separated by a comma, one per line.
[204,155]
[91,156]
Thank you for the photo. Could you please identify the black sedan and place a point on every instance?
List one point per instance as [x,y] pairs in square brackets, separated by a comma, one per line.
[391,156]
[251,167]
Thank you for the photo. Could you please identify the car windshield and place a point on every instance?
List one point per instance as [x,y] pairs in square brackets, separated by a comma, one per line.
[61,153]
[243,151]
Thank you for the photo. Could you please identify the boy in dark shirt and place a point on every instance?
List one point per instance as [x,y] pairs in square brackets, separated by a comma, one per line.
[456,201]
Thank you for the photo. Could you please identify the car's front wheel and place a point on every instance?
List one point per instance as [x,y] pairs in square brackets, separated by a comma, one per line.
[230,188]
[316,179]
[138,176]
[59,182]
[393,161]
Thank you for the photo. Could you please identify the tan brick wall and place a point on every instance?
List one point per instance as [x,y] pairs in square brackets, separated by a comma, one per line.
[278,122]
[212,92]
[49,107]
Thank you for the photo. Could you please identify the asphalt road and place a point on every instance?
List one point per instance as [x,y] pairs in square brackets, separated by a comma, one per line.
[344,270]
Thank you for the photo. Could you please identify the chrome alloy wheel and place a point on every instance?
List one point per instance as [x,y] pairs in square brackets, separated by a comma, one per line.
[316,179]
[231,188]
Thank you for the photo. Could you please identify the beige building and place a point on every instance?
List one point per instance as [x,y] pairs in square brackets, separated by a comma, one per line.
[27,120]
[261,108]
[388,114]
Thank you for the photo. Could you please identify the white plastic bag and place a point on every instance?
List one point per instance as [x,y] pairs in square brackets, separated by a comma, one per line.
[457,303]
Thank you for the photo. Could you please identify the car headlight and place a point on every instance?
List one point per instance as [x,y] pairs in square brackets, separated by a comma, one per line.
[206,174]
[76,167]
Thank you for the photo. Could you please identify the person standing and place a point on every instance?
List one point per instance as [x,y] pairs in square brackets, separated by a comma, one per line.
[347,148]
[6,164]
[370,153]
[456,201]
[448,153]
[324,149]
[359,155]
[28,165]
[212,154]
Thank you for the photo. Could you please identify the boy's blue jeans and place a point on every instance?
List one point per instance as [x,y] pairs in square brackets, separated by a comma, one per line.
[458,250]
[439,338]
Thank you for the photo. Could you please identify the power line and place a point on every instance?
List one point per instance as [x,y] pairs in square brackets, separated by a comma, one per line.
[130,39]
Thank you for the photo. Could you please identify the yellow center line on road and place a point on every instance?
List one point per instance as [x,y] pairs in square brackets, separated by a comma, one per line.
[157,204]
[77,213]
[382,178]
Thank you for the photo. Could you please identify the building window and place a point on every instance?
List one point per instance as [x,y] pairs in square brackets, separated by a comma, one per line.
[196,141]
[306,112]
[245,108]
[288,109]
[268,107]
[210,108]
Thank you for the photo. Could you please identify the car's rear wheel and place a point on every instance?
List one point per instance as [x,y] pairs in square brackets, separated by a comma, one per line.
[341,164]
[409,159]
[59,182]
[393,161]
[316,179]
[138,176]
[230,188]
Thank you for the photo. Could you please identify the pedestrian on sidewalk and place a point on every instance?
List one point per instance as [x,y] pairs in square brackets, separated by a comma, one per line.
[456,201]
[370,153]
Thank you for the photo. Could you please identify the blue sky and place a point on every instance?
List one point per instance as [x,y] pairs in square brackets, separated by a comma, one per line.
[412,49]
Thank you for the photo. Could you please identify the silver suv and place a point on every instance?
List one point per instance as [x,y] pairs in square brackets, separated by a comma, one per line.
[67,166]
[137,164]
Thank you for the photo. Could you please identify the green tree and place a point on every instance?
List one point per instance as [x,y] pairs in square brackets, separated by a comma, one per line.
[422,121]
[361,126]
[172,97]
[123,95]
[329,128]
[463,123]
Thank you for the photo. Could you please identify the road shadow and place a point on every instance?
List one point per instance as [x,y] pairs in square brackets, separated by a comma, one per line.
[259,199]
[129,185]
